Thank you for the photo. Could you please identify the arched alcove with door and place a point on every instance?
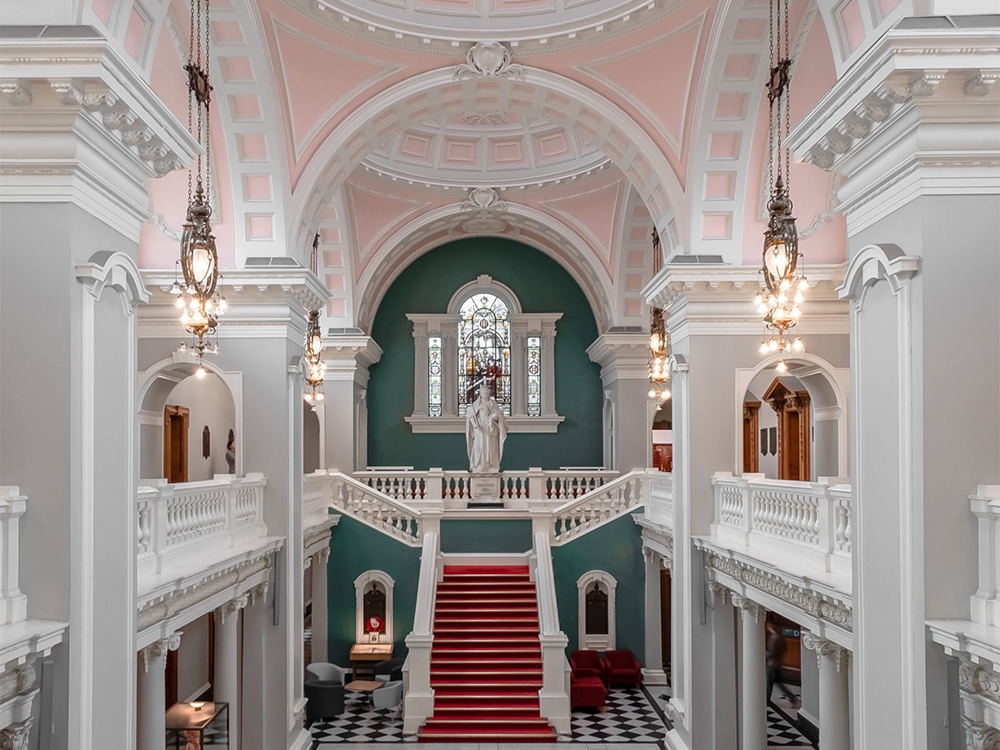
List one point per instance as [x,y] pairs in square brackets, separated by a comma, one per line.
[792,424]
[186,419]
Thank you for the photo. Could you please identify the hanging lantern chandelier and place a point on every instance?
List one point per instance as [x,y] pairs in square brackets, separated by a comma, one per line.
[316,367]
[782,287]
[199,297]
[659,355]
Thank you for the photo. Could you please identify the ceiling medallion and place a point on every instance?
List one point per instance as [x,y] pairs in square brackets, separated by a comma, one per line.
[488,60]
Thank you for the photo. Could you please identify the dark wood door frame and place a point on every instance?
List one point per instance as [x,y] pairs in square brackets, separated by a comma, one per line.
[175,443]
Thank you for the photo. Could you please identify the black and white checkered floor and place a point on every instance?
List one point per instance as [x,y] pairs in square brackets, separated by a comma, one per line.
[632,717]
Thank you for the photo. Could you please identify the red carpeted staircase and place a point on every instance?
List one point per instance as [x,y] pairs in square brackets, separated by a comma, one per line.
[486,664]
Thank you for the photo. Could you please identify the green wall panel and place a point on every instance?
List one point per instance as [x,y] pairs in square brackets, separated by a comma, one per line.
[616,548]
[426,286]
[486,536]
[355,548]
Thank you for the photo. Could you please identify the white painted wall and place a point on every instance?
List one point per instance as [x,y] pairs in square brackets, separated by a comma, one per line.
[310,438]
[210,403]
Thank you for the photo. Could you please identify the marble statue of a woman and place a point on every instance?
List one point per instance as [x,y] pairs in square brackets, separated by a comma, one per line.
[485,433]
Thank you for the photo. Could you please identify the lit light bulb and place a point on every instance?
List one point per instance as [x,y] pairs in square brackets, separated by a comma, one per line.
[782,299]
[200,372]
[185,318]
[785,284]
[796,312]
[652,393]
[223,305]
[665,394]
[758,300]
[781,366]
[175,288]
[179,303]
[763,347]
[803,283]
[799,299]
[798,345]
[320,396]
[308,397]
[201,263]
[772,345]
[215,349]
[772,300]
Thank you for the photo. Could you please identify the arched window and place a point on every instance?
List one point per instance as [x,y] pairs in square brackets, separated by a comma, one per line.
[373,607]
[484,350]
[596,597]
[484,338]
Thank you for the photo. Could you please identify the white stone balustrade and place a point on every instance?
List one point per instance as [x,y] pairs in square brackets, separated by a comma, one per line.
[183,520]
[419,700]
[593,509]
[809,520]
[396,518]
[660,505]
[985,603]
[515,486]
[554,695]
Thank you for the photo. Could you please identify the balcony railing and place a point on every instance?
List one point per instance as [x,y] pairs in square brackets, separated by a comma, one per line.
[533,484]
[177,520]
[814,518]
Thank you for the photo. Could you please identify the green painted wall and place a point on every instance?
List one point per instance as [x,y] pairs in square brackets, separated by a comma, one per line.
[496,535]
[616,548]
[426,286]
[355,548]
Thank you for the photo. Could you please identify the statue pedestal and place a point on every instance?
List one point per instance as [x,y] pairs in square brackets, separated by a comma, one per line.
[484,488]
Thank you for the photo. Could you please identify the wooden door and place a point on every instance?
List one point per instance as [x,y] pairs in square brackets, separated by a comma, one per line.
[665,619]
[792,408]
[751,451]
[175,443]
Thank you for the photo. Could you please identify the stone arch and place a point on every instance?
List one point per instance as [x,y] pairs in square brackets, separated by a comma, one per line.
[542,92]
[158,381]
[607,584]
[533,228]
[828,387]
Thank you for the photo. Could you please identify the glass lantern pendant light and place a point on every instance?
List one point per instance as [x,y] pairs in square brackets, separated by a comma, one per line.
[315,366]
[659,367]
[781,290]
[199,297]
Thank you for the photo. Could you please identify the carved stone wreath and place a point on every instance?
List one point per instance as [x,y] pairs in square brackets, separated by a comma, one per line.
[488,60]
[484,199]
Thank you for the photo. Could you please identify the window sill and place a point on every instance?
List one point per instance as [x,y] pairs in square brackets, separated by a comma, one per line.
[548,423]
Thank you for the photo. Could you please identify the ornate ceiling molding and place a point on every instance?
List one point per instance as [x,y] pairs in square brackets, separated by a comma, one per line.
[488,60]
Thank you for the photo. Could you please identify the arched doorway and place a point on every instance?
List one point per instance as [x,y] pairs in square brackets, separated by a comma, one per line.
[186,420]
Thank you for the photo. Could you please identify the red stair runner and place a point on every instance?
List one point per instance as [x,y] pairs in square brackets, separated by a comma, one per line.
[486,664]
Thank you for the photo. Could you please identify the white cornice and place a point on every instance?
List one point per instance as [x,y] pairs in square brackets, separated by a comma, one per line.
[622,356]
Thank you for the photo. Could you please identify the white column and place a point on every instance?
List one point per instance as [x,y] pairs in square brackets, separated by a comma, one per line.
[255,688]
[724,705]
[834,716]
[320,611]
[753,702]
[519,371]
[450,364]
[652,673]
[548,368]
[420,365]
[227,678]
[152,693]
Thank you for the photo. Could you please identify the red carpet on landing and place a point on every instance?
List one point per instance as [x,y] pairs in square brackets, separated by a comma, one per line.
[486,664]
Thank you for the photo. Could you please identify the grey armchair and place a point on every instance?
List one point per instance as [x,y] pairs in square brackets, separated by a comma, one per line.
[325,700]
[390,696]
[324,672]
[389,670]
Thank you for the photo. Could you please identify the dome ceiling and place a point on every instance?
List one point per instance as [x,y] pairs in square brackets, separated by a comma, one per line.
[494,149]
[537,26]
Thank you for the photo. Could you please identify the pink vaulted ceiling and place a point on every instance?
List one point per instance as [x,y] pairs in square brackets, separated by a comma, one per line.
[651,73]
[168,195]
[595,212]
[811,188]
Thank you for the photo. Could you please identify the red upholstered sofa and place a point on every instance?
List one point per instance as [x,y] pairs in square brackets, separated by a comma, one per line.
[587,663]
[587,692]
[622,668]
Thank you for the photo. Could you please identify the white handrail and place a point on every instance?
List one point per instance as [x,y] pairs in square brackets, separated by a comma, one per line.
[373,508]
[419,700]
[554,695]
[600,506]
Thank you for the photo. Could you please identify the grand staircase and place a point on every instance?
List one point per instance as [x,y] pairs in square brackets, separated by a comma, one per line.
[486,663]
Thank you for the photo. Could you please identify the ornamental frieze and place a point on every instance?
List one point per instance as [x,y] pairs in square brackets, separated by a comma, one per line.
[830,610]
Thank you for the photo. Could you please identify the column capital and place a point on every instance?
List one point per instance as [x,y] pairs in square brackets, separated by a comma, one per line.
[824,647]
[260,590]
[980,736]
[715,587]
[159,649]
[16,736]
[232,608]
[306,562]
[748,608]
[323,556]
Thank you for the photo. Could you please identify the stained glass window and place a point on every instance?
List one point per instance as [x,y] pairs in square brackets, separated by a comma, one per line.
[534,376]
[484,350]
[434,376]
